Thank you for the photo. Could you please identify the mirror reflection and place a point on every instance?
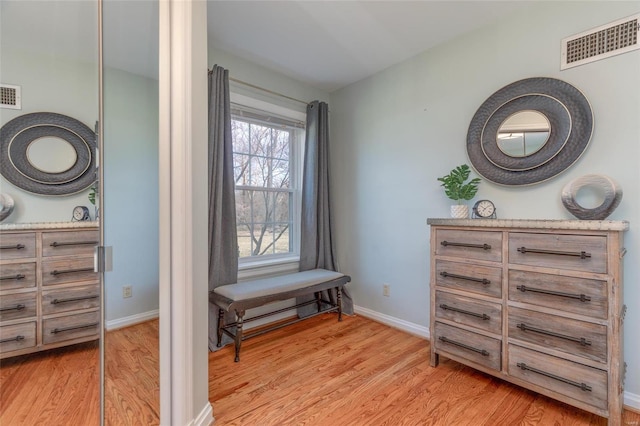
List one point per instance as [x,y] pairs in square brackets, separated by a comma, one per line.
[51,155]
[50,304]
[523,133]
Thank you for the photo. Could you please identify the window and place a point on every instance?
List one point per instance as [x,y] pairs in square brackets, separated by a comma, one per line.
[265,162]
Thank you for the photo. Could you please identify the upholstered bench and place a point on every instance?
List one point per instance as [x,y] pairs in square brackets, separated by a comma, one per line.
[251,294]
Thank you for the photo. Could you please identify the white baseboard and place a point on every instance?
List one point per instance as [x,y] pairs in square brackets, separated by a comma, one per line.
[631,400]
[205,418]
[394,322]
[131,320]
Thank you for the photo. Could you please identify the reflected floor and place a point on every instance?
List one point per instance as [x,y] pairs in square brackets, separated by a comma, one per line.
[61,386]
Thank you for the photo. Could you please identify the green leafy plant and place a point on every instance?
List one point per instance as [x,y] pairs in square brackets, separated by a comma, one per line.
[456,186]
[92,193]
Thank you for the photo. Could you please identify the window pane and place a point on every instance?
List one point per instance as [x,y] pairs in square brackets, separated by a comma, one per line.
[244,241]
[280,174]
[282,202]
[243,207]
[282,141]
[241,169]
[240,136]
[281,237]
[260,139]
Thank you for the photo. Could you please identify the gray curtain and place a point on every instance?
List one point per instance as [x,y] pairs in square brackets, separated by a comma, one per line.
[223,241]
[316,245]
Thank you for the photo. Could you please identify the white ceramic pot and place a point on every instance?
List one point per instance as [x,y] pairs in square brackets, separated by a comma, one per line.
[460,211]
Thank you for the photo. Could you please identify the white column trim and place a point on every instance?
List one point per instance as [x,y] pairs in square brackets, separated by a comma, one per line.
[176,239]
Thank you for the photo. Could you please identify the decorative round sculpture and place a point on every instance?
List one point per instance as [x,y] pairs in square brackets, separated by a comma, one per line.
[570,121]
[6,206]
[612,197]
[25,131]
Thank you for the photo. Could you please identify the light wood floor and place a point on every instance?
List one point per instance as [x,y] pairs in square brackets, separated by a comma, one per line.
[359,372]
[317,372]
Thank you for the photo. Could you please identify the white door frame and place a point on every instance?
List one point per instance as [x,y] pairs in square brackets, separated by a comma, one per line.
[183,219]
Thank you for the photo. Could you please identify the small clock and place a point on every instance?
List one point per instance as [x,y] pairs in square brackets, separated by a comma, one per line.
[484,209]
[80,213]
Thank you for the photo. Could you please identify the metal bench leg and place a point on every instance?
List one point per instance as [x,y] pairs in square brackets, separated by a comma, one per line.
[319,300]
[220,326]
[339,292]
[240,316]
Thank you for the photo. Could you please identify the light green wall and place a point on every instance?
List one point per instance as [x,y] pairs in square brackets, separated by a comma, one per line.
[394,133]
[131,192]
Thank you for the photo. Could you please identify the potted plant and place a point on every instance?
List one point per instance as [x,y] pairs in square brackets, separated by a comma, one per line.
[457,188]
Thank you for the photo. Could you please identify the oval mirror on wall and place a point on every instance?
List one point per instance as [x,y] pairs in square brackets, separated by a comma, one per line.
[524,133]
[529,131]
[51,155]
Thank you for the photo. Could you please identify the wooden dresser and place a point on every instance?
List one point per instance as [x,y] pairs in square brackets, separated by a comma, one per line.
[49,294]
[538,303]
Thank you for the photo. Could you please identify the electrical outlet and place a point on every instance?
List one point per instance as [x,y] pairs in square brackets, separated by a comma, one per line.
[385,290]
[127,291]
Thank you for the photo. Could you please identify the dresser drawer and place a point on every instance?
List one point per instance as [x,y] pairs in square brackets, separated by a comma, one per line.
[69,243]
[465,344]
[68,270]
[573,252]
[468,311]
[567,294]
[563,334]
[71,327]
[17,246]
[17,336]
[474,278]
[574,380]
[70,299]
[18,306]
[17,275]
[478,245]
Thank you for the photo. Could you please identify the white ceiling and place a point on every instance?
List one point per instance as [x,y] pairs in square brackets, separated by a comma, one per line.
[325,44]
[330,44]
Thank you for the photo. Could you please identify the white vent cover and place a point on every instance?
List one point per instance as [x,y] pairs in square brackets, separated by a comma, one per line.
[10,96]
[598,43]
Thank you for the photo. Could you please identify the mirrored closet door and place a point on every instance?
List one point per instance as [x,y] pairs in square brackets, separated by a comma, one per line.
[130,87]
[50,296]
[61,196]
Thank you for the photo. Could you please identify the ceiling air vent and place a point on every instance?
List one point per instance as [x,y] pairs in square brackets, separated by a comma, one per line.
[10,96]
[598,43]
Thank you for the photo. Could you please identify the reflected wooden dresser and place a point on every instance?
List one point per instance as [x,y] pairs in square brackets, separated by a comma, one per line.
[49,293]
[538,303]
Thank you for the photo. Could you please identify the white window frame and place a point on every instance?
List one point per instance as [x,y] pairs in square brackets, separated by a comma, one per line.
[254,266]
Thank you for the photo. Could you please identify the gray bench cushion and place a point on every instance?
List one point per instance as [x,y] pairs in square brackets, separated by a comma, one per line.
[270,286]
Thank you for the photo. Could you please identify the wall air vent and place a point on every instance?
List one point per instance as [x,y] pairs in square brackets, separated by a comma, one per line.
[10,96]
[608,40]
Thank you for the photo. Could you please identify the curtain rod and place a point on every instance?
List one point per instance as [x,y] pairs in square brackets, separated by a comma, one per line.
[267,90]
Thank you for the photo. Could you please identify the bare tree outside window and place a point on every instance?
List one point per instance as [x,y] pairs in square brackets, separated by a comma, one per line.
[261,156]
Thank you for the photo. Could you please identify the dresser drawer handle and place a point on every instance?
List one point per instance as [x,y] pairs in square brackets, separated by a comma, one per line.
[581,340]
[463,346]
[17,307]
[14,247]
[484,281]
[580,254]
[581,297]
[71,271]
[73,243]
[73,299]
[12,339]
[582,386]
[13,277]
[78,327]
[484,317]
[480,246]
